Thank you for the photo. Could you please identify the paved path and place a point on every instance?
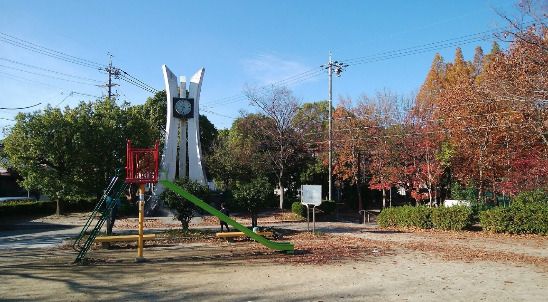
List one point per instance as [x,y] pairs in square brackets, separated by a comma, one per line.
[51,231]
[36,235]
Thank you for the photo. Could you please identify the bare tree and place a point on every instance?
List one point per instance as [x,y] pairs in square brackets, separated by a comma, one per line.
[279,138]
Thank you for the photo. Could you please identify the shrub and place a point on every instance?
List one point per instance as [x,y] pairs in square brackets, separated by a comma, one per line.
[26,208]
[298,208]
[519,218]
[388,218]
[184,209]
[536,196]
[495,220]
[454,218]
[479,207]
[406,216]
[420,217]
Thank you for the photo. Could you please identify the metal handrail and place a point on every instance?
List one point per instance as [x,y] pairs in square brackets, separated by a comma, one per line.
[76,246]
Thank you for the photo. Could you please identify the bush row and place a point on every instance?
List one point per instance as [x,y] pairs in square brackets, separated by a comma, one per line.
[26,208]
[450,218]
[519,218]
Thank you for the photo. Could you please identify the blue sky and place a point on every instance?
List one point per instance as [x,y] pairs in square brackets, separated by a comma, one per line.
[238,42]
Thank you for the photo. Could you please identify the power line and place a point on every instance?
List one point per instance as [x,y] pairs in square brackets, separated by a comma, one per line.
[19,108]
[111,70]
[26,80]
[219,114]
[45,75]
[446,131]
[396,53]
[382,56]
[14,41]
[429,120]
[154,90]
[312,73]
[136,84]
[48,70]
[72,93]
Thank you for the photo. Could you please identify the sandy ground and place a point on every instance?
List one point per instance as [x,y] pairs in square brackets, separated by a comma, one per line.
[409,266]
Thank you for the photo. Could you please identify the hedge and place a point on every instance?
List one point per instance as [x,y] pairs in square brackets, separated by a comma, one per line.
[519,218]
[455,218]
[450,218]
[406,216]
[26,208]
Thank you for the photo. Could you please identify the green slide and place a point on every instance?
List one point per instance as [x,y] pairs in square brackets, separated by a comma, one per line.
[280,246]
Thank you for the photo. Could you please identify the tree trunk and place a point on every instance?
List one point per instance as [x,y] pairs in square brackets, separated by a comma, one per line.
[358,185]
[253,219]
[383,198]
[360,199]
[281,188]
[184,224]
[390,204]
[58,205]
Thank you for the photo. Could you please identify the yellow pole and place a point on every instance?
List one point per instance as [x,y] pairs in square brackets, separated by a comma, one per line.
[141,221]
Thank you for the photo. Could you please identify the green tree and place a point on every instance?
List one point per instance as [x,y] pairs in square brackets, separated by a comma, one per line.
[208,134]
[69,154]
[253,196]
[184,210]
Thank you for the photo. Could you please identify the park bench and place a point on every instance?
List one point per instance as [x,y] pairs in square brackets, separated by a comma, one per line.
[369,213]
[229,235]
[124,238]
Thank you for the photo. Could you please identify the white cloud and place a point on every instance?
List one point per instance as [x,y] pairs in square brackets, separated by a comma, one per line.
[266,69]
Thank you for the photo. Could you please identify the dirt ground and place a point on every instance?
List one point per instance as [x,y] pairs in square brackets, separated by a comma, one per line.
[346,261]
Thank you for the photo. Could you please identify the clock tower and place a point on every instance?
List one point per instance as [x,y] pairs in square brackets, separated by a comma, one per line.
[183,128]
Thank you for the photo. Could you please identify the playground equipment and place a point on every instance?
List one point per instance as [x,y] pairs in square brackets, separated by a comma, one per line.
[99,215]
[141,168]
[280,246]
[182,142]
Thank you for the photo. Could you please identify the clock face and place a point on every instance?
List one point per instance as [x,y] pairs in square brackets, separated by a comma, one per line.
[183,107]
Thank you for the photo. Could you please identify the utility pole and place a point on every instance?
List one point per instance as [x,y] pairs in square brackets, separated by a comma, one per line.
[112,71]
[338,68]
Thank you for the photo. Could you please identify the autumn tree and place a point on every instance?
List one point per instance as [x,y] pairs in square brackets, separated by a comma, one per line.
[277,135]
[311,123]
[352,127]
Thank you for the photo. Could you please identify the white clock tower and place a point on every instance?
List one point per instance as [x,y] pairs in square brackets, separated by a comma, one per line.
[183,128]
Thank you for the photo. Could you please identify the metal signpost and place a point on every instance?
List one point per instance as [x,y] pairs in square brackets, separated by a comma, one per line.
[311,195]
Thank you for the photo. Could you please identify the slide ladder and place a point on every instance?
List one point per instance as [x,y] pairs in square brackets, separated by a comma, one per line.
[99,215]
[280,246]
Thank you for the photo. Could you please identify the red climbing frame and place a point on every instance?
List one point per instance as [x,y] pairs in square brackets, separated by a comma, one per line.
[141,164]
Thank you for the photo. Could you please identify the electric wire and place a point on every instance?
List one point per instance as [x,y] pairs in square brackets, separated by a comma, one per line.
[18,42]
[137,84]
[422,133]
[290,81]
[154,90]
[19,108]
[14,41]
[25,80]
[219,114]
[46,75]
[382,56]
[49,70]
